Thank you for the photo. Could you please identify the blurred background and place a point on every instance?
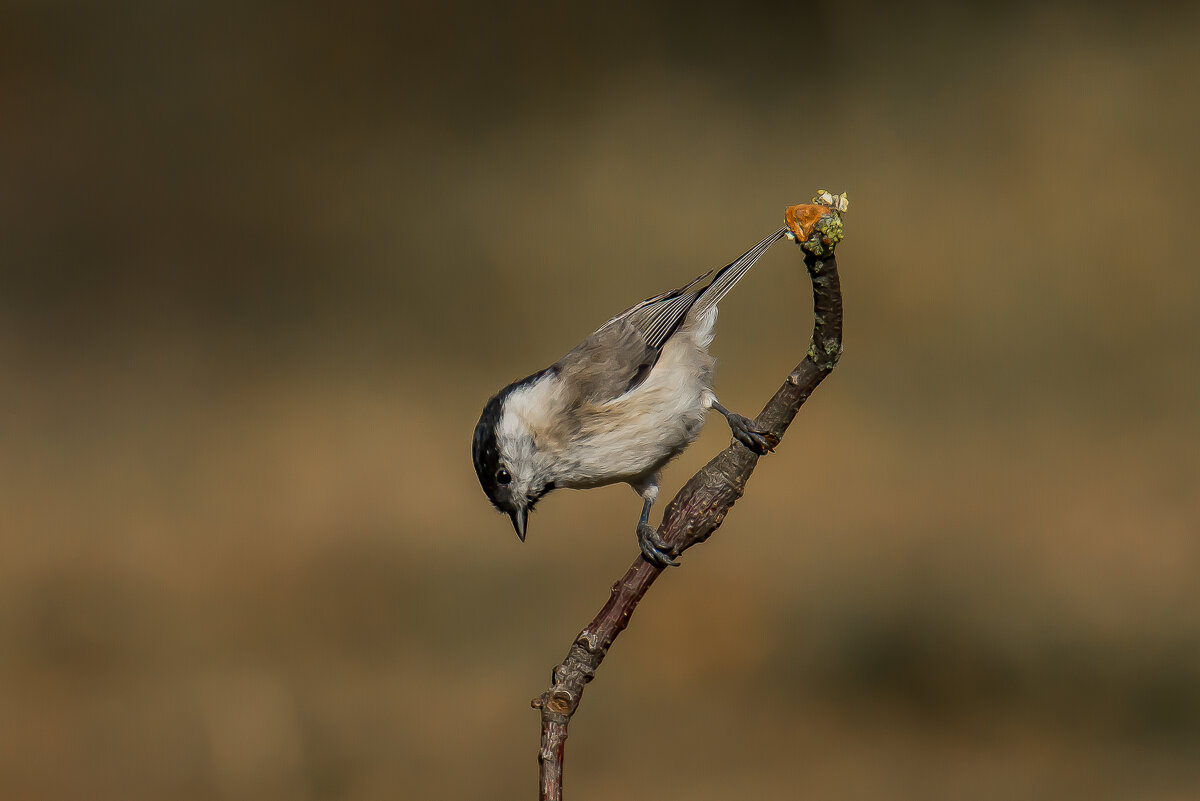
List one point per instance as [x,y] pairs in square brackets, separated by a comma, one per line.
[261,265]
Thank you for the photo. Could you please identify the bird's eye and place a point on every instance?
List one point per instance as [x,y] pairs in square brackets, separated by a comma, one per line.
[503,476]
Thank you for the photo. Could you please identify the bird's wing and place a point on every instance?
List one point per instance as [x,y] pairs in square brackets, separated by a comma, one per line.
[621,353]
[656,318]
[607,364]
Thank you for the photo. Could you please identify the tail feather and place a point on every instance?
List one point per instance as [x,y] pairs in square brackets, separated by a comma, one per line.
[728,277]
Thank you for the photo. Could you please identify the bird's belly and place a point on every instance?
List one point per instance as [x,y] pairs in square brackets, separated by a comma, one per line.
[631,437]
[636,438]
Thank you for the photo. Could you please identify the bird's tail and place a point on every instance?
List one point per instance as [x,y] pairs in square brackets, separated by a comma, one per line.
[728,277]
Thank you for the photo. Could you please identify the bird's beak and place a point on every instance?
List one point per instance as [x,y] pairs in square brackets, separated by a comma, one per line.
[519,518]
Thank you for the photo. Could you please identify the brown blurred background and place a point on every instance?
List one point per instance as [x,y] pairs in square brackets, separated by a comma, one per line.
[261,264]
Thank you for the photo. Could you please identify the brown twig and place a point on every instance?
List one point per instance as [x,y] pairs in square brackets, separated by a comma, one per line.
[700,507]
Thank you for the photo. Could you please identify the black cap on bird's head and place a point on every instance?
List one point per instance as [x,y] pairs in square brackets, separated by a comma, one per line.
[506,486]
[493,475]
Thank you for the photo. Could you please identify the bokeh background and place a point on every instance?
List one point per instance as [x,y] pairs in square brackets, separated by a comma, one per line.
[261,264]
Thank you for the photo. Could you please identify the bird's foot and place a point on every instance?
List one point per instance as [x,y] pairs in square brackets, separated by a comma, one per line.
[745,432]
[655,549]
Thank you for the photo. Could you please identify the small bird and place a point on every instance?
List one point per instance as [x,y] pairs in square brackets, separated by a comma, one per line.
[617,408]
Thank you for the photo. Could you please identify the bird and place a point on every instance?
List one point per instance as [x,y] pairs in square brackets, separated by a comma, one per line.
[616,408]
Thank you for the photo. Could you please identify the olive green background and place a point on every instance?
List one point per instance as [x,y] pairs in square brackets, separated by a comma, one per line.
[261,265]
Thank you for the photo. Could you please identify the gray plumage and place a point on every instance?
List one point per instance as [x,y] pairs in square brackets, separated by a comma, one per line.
[617,407]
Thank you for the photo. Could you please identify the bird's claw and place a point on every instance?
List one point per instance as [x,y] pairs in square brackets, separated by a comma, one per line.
[655,549]
[753,438]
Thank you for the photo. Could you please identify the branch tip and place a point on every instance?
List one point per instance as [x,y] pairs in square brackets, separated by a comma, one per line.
[822,217]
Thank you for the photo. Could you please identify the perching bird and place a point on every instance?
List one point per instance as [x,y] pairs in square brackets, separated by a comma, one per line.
[617,408]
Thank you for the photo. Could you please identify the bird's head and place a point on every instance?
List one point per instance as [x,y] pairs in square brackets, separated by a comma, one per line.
[513,472]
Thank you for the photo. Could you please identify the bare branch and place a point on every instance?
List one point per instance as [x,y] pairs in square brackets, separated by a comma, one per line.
[700,507]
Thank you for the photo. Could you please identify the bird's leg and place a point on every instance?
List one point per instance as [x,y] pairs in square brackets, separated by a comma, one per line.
[745,432]
[655,549]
